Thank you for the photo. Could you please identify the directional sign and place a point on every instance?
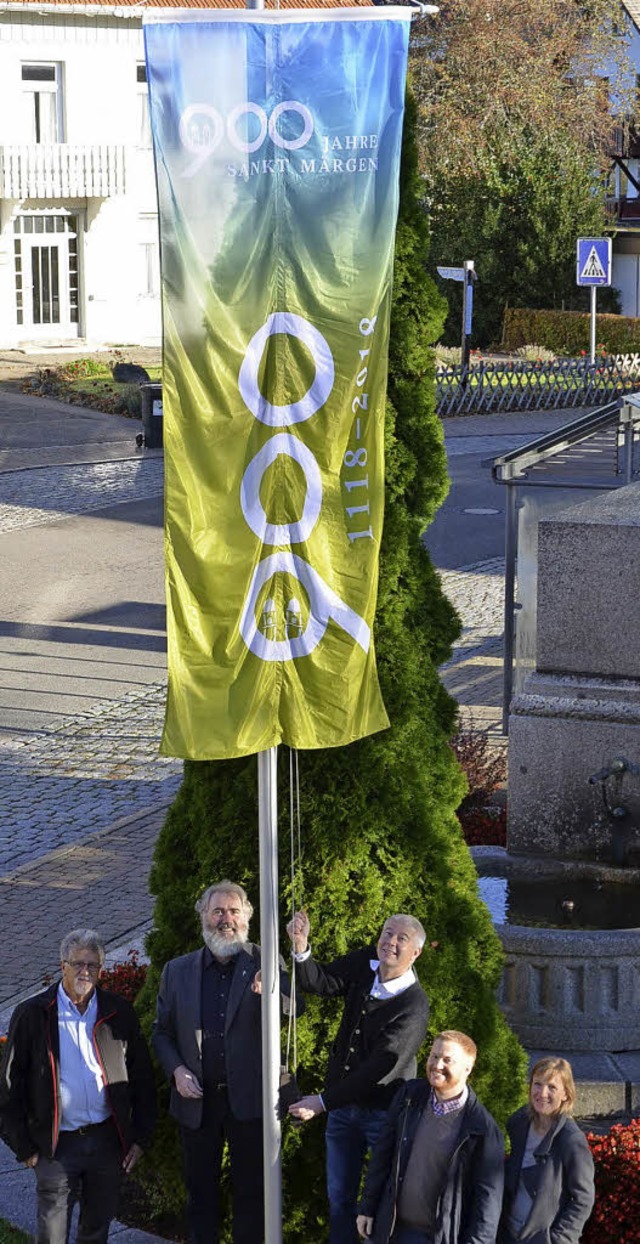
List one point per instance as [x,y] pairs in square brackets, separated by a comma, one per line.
[593,261]
[451,274]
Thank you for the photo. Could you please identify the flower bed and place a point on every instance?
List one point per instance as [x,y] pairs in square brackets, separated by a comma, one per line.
[616,1214]
[126,978]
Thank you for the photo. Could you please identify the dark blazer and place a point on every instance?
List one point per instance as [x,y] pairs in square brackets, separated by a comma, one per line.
[469,1207]
[562,1181]
[177,1033]
[376,1046]
[30,1076]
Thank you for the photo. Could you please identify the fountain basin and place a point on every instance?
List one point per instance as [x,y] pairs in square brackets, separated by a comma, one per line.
[568,988]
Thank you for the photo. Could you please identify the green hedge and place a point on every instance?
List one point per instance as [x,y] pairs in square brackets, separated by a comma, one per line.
[567,332]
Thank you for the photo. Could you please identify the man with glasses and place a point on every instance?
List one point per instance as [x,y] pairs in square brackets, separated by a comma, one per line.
[77,1095]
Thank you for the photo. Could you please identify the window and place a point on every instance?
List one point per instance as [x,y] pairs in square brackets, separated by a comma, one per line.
[150,283]
[143,126]
[41,87]
[148,256]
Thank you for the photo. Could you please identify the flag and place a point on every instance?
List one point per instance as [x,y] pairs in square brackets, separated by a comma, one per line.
[277,145]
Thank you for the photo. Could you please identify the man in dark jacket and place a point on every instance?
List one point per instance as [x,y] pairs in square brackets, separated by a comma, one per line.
[77,1094]
[208,1039]
[383,1025]
[437,1172]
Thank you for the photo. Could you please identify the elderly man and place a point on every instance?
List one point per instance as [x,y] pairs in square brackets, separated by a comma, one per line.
[437,1172]
[207,1036]
[77,1095]
[383,1025]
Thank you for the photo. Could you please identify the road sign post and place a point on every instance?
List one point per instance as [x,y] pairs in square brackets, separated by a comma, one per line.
[593,268]
[467,275]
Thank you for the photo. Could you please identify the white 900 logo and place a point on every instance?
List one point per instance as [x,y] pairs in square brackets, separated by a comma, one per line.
[324,604]
[202,129]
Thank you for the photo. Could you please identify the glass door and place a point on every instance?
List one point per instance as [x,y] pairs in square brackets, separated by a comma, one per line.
[46,271]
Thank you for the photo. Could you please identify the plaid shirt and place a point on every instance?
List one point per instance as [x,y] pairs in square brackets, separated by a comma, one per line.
[450,1106]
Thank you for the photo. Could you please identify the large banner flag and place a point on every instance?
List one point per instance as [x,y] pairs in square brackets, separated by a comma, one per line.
[277,145]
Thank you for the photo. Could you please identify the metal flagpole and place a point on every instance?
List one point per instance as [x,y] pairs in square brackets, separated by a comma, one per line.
[268,836]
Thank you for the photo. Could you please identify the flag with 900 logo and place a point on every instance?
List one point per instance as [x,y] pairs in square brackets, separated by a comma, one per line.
[277,146]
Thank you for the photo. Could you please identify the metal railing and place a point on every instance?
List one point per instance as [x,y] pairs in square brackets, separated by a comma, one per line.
[486,387]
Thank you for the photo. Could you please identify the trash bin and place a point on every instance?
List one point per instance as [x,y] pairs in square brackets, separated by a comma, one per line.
[152,415]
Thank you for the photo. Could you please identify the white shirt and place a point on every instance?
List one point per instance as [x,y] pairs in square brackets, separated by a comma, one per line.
[379,989]
[83,1097]
[389,989]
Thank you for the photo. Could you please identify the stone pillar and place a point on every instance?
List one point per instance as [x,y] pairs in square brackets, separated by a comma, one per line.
[580,708]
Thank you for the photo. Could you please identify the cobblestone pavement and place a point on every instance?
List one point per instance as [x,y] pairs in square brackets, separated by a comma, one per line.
[82,775]
[44,494]
[477,591]
[474,674]
[99,882]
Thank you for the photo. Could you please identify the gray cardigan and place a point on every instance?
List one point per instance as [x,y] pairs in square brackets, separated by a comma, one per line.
[562,1182]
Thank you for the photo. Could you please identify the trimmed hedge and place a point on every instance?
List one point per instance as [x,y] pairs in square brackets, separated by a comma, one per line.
[567,332]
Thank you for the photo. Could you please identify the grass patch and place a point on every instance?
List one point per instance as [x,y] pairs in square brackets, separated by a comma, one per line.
[12,1235]
[89,382]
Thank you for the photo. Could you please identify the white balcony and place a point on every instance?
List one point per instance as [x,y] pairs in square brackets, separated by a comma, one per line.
[61,171]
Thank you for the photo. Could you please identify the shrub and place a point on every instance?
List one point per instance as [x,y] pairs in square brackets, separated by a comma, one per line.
[125,978]
[130,401]
[616,1214]
[484,766]
[484,827]
[568,332]
[536,354]
[448,356]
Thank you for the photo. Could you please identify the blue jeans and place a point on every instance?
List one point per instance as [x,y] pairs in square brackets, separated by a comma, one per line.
[351,1132]
[409,1235]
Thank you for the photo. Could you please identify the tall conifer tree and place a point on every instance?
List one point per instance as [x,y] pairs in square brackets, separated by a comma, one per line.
[379,830]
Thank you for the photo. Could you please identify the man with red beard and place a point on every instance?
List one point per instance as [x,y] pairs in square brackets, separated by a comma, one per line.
[207,1036]
[437,1172]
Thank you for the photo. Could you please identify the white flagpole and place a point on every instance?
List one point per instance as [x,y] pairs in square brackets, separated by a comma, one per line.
[268,836]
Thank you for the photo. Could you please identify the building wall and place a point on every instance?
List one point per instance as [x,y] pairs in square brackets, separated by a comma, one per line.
[102,102]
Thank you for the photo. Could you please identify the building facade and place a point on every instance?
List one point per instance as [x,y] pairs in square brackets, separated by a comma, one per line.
[78,221]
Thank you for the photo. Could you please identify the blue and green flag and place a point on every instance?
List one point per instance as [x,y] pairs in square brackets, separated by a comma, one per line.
[277,145]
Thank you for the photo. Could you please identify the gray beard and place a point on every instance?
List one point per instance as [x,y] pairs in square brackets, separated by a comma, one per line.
[220,946]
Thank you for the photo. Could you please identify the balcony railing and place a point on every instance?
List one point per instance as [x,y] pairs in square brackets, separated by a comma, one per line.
[59,170]
[623,209]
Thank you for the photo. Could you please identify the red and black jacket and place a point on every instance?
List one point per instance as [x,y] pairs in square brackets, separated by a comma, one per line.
[30,1074]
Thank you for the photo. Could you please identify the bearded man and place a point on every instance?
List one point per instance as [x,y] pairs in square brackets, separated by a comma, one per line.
[207,1036]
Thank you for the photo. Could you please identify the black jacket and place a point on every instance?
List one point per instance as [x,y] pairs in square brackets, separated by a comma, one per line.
[177,1032]
[30,1074]
[377,1042]
[469,1207]
[562,1181]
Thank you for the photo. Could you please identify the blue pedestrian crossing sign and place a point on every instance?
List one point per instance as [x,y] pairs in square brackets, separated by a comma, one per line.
[594,261]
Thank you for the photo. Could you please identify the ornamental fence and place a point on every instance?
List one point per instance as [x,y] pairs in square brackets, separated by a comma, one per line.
[485,387]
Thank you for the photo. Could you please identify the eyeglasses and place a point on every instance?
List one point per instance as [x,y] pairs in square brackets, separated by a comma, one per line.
[79,966]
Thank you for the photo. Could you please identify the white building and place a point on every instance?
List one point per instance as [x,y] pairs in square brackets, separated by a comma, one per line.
[78,223]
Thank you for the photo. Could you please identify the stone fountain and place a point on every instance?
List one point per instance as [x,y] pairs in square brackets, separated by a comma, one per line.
[570,876]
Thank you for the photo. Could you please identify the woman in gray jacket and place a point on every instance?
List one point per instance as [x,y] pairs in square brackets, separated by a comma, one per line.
[549,1189]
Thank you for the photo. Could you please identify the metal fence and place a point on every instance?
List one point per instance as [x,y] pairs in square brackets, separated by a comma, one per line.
[522,385]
